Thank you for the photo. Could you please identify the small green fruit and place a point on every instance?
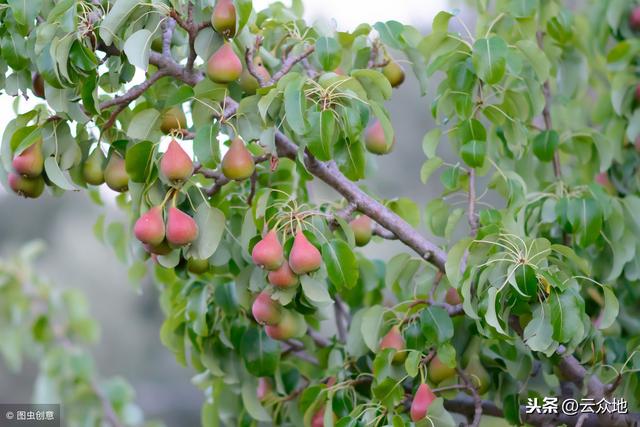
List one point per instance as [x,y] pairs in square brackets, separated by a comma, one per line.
[115,174]
[173,120]
[26,187]
[438,371]
[394,73]
[362,228]
[93,168]
[198,266]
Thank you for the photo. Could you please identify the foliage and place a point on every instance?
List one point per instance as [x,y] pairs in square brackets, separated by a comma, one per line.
[540,104]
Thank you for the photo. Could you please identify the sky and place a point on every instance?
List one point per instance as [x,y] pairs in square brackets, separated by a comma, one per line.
[347,15]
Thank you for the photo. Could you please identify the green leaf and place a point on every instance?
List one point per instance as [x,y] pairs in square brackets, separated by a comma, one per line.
[138,47]
[211,225]
[295,104]
[489,59]
[611,309]
[436,325]
[115,19]
[492,316]
[206,146]
[545,144]
[251,404]
[341,263]
[25,11]
[430,142]
[315,290]
[429,167]
[567,309]
[473,153]
[144,124]
[536,57]
[356,345]
[375,83]
[370,326]
[139,161]
[56,175]
[260,353]
[471,130]
[412,363]
[407,209]
[328,53]
[454,261]
[197,308]
[323,134]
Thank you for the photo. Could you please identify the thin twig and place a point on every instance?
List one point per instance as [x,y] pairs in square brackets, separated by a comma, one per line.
[289,63]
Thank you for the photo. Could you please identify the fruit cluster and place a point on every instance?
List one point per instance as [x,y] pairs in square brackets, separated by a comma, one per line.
[304,258]
[27,179]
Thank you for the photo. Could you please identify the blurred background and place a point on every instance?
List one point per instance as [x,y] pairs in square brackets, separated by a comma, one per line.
[129,316]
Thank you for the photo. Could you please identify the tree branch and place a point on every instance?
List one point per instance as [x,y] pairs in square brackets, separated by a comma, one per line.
[546,112]
[249,56]
[289,63]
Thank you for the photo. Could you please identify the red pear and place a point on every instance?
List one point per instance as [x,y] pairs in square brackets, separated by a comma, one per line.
[268,253]
[224,66]
[264,388]
[149,228]
[238,163]
[375,140]
[283,277]
[362,228]
[421,402]
[175,164]
[393,339]
[318,418]
[26,187]
[452,297]
[304,257]
[223,18]
[265,310]
[181,228]
[634,18]
[30,162]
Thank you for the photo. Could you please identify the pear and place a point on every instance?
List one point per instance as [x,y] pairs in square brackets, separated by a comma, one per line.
[318,418]
[603,180]
[291,325]
[223,18]
[93,168]
[634,19]
[394,73]
[422,400]
[115,174]
[173,120]
[438,371]
[362,228]
[304,257]
[238,163]
[268,253]
[38,85]
[181,228]
[375,141]
[265,310]
[393,339]
[26,187]
[198,266]
[264,388]
[452,297]
[149,228]
[477,374]
[283,277]
[175,164]
[248,83]
[30,162]
[224,66]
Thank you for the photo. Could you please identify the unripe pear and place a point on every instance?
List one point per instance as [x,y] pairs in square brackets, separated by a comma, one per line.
[478,374]
[238,163]
[291,325]
[264,388]
[30,162]
[265,310]
[93,168]
[173,120]
[38,85]
[375,140]
[603,180]
[175,164]
[393,339]
[422,400]
[115,174]
[452,297]
[198,266]
[634,19]
[149,228]
[26,187]
[161,249]
[181,228]
[394,73]
[362,228]
[283,277]
[304,257]
[223,18]
[438,371]
[268,253]
[224,66]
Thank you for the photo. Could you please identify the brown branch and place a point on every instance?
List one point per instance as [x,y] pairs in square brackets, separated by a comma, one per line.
[252,192]
[477,402]
[472,215]
[546,112]
[289,63]
[249,56]
[340,325]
